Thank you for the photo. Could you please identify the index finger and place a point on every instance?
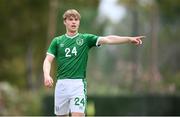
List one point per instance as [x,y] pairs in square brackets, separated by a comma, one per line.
[141,37]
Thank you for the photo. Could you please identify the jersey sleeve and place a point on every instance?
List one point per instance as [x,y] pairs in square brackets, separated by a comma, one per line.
[92,40]
[52,50]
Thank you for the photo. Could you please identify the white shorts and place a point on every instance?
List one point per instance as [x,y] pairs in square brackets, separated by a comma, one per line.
[70,96]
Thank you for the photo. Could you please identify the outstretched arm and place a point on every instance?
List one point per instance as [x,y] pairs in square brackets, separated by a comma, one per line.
[113,39]
[48,81]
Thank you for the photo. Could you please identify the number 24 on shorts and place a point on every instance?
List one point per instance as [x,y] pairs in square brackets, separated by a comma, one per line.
[79,101]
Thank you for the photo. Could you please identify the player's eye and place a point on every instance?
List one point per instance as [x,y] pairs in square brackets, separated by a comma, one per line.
[71,19]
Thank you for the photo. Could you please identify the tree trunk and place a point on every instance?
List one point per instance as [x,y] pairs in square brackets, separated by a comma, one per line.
[53,12]
[134,50]
[29,64]
[154,71]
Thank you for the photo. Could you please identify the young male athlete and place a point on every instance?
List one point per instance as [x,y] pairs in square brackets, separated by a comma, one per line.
[71,53]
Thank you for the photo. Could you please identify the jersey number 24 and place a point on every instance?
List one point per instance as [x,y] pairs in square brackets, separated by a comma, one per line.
[69,52]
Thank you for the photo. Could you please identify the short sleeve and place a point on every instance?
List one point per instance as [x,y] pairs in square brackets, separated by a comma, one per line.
[52,50]
[92,40]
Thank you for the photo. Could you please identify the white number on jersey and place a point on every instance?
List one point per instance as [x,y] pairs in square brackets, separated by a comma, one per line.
[69,52]
[74,51]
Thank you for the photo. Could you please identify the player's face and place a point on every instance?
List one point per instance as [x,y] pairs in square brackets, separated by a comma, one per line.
[72,24]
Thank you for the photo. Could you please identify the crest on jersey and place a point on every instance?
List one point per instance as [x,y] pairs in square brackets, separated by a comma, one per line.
[79,41]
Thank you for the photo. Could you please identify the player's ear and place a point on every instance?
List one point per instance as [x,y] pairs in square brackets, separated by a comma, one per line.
[64,21]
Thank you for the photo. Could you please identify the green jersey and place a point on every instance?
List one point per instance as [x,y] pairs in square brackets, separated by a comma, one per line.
[71,54]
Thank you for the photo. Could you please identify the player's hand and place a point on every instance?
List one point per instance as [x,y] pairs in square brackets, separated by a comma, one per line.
[48,81]
[137,40]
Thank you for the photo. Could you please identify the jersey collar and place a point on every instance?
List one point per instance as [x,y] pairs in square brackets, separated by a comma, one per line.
[72,36]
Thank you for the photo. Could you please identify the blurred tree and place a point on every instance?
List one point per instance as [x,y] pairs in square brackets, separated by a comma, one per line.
[53,13]
[169,42]
[154,75]
[162,20]
[132,7]
[22,31]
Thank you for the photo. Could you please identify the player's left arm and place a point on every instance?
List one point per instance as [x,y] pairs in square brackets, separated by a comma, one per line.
[113,39]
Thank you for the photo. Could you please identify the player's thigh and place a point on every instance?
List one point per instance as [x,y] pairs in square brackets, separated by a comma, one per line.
[78,98]
[61,101]
[78,104]
[61,107]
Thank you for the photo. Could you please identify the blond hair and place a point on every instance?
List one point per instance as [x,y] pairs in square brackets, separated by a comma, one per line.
[71,13]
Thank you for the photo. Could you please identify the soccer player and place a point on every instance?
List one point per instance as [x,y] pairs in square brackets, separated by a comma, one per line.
[71,53]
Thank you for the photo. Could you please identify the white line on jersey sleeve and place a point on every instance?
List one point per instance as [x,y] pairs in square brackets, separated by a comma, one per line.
[50,54]
[97,42]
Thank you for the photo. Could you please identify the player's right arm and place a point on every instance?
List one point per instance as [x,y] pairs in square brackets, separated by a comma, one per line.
[114,39]
[48,81]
